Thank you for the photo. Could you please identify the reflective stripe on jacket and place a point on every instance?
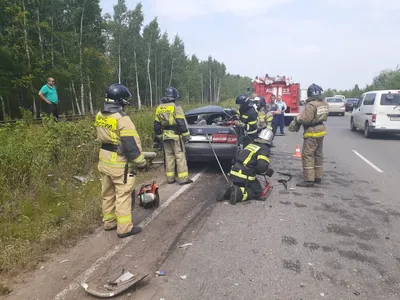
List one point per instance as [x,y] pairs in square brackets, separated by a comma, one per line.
[170,122]
[252,160]
[315,113]
[118,129]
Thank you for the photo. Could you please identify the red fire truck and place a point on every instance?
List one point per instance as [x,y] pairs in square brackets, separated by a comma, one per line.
[283,86]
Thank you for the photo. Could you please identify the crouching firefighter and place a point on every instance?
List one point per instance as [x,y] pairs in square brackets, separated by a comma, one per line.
[248,115]
[171,128]
[120,150]
[252,160]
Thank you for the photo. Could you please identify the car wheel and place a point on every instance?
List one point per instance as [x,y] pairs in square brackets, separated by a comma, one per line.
[343,114]
[352,127]
[367,132]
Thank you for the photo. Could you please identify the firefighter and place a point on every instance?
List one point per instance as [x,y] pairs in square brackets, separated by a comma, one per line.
[121,149]
[275,112]
[171,128]
[265,116]
[252,160]
[313,117]
[248,115]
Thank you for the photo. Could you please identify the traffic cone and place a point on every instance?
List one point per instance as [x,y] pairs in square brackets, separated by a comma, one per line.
[297,153]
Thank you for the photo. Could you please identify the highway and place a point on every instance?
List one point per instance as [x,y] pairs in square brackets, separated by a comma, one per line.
[340,240]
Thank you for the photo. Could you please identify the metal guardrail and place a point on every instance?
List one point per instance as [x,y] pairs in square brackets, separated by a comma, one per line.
[39,120]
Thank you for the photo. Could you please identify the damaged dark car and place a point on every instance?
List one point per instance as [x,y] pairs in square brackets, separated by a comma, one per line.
[210,128]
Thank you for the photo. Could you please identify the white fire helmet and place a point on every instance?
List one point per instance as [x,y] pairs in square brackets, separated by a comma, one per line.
[267,135]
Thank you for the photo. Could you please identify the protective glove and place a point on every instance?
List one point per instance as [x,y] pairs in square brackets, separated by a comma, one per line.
[142,164]
[157,145]
[239,123]
[269,172]
[186,138]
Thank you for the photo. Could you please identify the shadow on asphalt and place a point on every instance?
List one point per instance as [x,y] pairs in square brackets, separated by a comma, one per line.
[382,136]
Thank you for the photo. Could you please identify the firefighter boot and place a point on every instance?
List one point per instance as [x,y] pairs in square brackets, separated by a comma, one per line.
[189,181]
[224,193]
[236,195]
[318,181]
[305,184]
[135,230]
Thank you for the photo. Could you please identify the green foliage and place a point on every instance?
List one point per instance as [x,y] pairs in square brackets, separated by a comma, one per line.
[85,52]
[387,80]
[41,205]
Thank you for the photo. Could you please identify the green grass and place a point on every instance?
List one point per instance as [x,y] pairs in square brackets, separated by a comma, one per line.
[41,206]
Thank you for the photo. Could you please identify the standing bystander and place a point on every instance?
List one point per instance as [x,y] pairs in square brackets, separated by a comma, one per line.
[48,93]
[281,117]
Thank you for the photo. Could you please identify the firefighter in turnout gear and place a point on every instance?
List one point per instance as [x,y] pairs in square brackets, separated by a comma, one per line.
[265,116]
[120,150]
[248,115]
[171,128]
[252,160]
[313,118]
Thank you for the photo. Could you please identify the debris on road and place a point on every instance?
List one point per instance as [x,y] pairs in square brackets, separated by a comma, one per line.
[302,285]
[160,273]
[185,245]
[183,277]
[64,261]
[81,179]
[114,287]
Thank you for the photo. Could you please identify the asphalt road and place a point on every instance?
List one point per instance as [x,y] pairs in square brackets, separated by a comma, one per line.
[336,241]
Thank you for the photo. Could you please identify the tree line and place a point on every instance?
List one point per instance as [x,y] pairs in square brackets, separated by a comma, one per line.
[388,79]
[71,41]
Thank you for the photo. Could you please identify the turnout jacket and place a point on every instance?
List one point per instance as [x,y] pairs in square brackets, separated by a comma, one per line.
[170,121]
[313,117]
[120,141]
[252,160]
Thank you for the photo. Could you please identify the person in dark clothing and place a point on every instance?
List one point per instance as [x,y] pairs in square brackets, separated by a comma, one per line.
[248,115]
[252,160]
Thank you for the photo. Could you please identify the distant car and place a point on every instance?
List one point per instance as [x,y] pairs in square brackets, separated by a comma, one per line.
[350,103]
[336,105]
[208,122]
[339,96]
[377,112]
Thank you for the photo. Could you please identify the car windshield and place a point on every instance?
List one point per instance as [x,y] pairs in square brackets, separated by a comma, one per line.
[385,100]
[334,100]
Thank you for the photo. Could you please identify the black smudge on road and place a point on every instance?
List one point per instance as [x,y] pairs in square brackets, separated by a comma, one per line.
[292,265]
[288,240]
[366,234]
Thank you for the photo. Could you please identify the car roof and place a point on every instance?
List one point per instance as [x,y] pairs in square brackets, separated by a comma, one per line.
[209,109]
[383,91]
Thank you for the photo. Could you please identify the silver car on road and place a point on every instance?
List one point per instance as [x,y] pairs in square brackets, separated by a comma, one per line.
[336,105]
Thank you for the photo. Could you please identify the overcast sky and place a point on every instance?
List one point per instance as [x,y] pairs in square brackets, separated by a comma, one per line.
[334,43]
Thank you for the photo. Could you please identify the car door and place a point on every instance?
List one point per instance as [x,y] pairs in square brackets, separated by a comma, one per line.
[357,112]
[368,105]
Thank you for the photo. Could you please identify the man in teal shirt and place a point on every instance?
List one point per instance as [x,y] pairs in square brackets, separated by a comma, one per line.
[48,93]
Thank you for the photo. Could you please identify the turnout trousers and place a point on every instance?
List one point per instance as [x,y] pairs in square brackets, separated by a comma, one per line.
[251,192]
[117,198]
[312,158]
[175,156]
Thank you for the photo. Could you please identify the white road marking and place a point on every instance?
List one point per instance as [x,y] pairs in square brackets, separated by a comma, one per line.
[83,277]
[367,161]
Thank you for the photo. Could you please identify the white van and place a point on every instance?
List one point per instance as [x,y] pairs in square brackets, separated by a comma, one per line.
[377,112]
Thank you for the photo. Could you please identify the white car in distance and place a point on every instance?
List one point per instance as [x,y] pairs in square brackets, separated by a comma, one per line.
[337,105]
